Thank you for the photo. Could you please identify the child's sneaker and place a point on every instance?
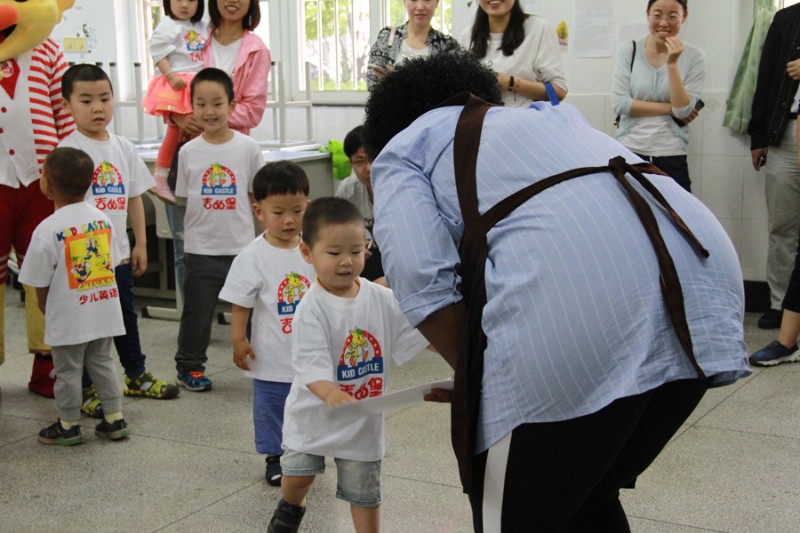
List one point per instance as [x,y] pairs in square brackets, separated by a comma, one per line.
[161,188]
[56,434]
[91,406]
[274,472]
[116,431]
[287,517]
[148,386]
[194,381]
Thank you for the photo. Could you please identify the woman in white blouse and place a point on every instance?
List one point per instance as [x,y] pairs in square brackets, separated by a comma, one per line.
[522,50]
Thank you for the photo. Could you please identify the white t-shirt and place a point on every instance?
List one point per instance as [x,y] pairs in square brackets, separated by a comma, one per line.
[344,340]
[271,281]
[538,58]
[215,179]
[355,192]
[181,42]
[71,253]
[119,174]
[224,55]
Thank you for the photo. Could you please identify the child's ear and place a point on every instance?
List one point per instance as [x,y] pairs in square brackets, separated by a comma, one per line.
[306,252]
[65,105]
[258,212]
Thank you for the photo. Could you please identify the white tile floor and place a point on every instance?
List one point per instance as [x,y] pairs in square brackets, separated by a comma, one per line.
[190,466]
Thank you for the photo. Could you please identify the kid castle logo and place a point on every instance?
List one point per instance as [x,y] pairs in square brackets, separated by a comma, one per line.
[88,256]
[290,292]
[107,180]
[218,190]
[194,41]
[360,370]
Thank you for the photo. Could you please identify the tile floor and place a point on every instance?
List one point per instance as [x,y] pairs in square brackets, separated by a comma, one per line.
[189,464]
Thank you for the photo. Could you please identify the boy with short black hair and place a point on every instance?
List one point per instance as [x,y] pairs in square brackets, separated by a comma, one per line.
[345,328]
[70,262]
[215,184]
[358,190]
[119,179]
[270,276]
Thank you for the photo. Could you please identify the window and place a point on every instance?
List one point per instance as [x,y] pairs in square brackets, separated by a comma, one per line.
[337,35]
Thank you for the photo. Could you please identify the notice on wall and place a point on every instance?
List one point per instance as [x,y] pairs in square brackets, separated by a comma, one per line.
[593,31]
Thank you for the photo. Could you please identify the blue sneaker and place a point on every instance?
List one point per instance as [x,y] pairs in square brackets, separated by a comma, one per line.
[775,353]
[194,381]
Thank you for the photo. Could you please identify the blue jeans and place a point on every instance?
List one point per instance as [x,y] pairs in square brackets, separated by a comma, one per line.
[129,347]
[269,399]
[358,482]
[175,216]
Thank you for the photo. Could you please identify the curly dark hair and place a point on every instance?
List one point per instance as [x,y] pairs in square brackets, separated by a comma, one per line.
[416,87]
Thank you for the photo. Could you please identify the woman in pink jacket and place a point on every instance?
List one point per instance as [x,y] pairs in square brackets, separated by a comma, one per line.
[233,47]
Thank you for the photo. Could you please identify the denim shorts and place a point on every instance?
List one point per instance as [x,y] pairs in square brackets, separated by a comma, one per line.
[359,482]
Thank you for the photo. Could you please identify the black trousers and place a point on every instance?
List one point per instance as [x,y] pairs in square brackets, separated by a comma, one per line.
[791,300]
[566,476]
[675,166]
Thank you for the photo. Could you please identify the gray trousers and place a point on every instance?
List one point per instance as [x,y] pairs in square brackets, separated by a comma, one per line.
[69,362]
[205,276]
[783,213]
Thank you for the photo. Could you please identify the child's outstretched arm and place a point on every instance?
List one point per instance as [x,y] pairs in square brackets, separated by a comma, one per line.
[139,252]
[175,81]
[241,346]
[330,393]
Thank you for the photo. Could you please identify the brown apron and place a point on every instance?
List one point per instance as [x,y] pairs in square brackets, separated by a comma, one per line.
[473,253]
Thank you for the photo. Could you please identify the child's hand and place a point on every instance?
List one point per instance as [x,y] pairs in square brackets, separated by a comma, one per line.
[337,397]
[241,352]
[138,260]
[175,81]
[439,396]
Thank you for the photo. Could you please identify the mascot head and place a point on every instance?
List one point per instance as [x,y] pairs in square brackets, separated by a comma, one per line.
[26,24]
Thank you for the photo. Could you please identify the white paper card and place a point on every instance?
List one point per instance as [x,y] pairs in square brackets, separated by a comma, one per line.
[393,400]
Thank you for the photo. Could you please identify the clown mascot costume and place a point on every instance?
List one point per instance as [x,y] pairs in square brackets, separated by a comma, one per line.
[32,122]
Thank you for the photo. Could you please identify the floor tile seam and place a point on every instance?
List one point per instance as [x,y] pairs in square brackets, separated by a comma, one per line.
[208,505]
[726,398]
[741,431]
[691,526]
[416,480]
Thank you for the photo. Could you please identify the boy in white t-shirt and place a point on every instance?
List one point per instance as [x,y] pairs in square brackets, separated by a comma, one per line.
[343,332]
[215,184]
[119,179]
[69,262]
[270,277]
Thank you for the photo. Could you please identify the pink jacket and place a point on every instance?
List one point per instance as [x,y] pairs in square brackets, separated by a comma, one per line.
[250,77]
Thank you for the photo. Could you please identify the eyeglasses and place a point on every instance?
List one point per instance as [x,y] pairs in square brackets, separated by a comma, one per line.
[359,162]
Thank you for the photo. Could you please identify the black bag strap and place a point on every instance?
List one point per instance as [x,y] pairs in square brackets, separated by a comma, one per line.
[633,57]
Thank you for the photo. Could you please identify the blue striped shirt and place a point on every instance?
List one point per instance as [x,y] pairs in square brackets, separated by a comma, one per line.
[575,317]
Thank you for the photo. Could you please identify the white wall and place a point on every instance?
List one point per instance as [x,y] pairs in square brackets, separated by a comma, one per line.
[719,161]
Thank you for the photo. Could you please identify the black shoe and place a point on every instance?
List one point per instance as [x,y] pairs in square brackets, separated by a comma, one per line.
[287,517]
[771,319]
[116,431]
[56,434]
[274,472]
